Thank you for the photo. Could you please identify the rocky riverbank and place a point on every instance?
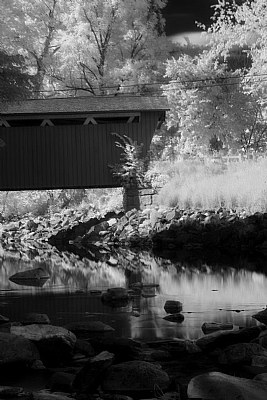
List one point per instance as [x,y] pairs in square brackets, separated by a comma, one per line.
[165,231]
[221,230]
[87,360]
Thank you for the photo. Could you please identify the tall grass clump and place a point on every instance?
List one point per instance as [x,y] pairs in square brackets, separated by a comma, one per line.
[194,184]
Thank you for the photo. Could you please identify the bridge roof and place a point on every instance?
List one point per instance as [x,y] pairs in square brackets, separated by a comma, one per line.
[120,103]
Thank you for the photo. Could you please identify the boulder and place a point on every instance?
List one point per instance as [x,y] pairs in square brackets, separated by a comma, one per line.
[261,316]
[89,377]
[89,329]
[241,353]
[219,386]
[54,343]
[35,318]
[136,378]
[173,307]
[221,339]
[16,349]
[209,327]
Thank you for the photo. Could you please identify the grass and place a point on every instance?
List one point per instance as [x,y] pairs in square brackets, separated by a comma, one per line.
[194,184]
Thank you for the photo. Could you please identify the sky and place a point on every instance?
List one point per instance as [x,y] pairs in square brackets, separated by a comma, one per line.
[181,15]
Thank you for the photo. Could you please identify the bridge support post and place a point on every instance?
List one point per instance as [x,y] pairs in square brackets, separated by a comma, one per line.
[135,197]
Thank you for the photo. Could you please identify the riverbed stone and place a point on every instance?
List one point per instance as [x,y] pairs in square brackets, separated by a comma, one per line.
[221,339]
[173,307]
[241,353]
[219,386]
[54,343]
[209,327]
[136,378]
[91,374]
[16,349]
[89,329]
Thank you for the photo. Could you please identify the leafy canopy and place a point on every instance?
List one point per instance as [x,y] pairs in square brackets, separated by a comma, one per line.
[212,100]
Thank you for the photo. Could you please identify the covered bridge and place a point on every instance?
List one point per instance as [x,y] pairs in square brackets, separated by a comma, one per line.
[67,142]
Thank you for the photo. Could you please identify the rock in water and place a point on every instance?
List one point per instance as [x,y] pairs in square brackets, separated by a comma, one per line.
[90,376]
[222,339]
[241,353]
[218,386]
[54,343]
[135,377]
[173,307]
[209,327]
[14,349]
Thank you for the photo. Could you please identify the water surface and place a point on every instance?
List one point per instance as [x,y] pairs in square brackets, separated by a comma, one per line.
[209,293]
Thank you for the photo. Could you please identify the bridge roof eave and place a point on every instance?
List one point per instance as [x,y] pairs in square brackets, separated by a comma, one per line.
[87,104]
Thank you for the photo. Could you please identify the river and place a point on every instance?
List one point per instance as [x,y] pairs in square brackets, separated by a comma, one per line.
[209,293]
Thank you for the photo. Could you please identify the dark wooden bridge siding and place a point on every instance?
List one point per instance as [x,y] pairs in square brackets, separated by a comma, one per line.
[66,156]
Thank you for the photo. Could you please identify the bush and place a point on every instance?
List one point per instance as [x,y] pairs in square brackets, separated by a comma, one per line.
[41,202]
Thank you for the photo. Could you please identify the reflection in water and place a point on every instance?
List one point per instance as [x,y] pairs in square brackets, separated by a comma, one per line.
[208,293]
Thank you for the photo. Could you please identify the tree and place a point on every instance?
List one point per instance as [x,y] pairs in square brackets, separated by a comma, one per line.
[212,100]
[87,45]
[15,82]
[243,27]
[109,44]
[30,28]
